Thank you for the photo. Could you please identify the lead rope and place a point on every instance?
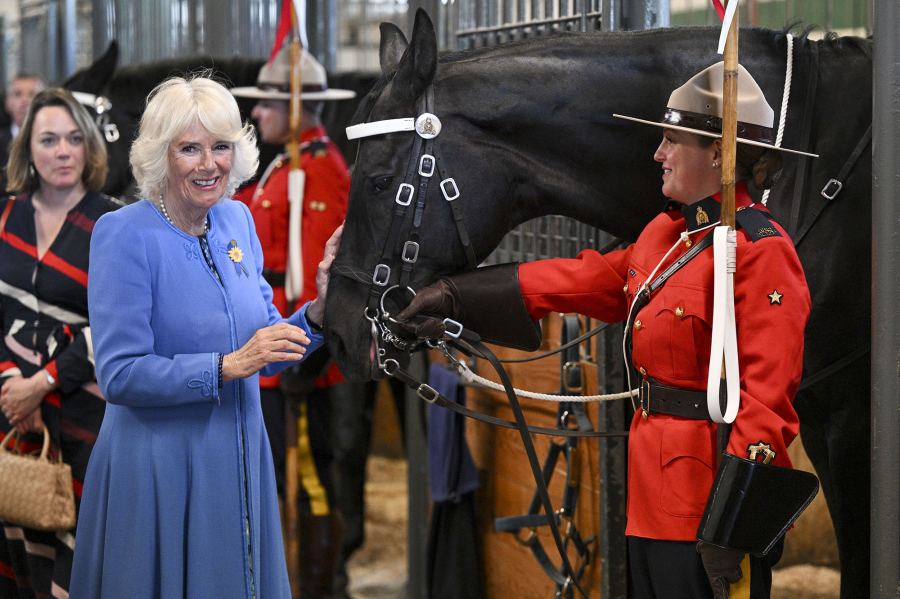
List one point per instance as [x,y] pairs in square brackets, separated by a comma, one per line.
[785,96]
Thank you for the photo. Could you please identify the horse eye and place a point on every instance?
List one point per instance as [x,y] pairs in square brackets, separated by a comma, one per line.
[379,184]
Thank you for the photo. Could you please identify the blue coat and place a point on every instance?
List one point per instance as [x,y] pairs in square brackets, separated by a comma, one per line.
[179,497]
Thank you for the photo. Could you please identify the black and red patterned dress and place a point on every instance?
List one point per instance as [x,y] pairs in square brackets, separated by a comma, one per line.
[44,317]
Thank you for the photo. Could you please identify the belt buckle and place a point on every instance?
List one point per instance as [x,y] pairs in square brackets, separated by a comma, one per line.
[645,394]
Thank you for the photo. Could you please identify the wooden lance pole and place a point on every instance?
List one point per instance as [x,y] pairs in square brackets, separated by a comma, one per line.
[729,122]
[291,466]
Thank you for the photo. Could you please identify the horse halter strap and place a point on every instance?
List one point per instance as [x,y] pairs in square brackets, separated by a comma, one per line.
[400,252]
[101,107]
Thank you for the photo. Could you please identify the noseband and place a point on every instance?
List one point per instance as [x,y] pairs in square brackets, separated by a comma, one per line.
[101,106]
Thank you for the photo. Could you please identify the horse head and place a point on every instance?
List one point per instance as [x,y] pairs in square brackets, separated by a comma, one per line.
[117,122]
[402,229]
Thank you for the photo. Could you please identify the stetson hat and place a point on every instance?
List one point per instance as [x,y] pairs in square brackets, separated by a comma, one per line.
[696,107]
[274,80]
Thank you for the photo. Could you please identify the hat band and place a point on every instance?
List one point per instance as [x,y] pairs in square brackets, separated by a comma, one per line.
[286,88]
[713,124]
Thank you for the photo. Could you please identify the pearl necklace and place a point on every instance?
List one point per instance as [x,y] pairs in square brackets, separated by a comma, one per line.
[165,213]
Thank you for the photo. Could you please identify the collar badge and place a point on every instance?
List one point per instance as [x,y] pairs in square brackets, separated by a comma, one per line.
[775,297]
[702,217]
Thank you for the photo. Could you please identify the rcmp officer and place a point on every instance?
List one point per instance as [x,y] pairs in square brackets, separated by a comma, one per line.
[324,204]
[673,452]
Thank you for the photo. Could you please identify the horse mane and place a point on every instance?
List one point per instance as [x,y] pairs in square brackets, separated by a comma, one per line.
[368,102]
[831,39]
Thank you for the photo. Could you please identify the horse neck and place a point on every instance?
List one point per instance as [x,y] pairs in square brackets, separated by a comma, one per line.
[539,114]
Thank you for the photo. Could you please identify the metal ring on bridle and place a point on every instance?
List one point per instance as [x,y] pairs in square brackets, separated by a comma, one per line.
[384,312]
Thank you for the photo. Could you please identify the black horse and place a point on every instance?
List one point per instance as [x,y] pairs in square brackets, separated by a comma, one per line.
[528,131]
[126,89]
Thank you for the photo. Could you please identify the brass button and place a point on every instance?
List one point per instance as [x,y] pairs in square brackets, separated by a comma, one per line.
[679,312]
[637,325]
[625,289]
[688,243]
[266,204]
[278,164]
[642,371]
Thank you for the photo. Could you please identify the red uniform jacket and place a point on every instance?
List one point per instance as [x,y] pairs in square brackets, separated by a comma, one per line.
[324,207]
[672,460]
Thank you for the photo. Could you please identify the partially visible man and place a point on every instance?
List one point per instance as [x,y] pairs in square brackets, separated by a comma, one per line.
[324,204]
[19,94]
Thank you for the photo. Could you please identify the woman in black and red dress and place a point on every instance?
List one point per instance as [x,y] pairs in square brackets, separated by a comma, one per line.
[57,165]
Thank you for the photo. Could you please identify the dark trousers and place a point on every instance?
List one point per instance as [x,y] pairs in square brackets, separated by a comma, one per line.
[316,412]
[666,570]
[673,570]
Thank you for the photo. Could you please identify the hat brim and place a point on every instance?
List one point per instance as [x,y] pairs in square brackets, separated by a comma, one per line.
[270,94]
[713,135]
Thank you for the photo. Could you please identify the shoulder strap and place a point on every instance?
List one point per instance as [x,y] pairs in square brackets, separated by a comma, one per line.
[756,224]
[679,264]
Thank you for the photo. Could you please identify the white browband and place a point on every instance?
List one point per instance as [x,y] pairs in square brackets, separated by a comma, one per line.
[381,127]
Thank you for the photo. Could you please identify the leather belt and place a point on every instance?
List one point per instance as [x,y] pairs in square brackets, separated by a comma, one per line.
[273,277]
[657,398]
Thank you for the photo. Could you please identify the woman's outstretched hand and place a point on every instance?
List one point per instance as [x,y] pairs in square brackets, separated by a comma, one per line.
[280,342]
[316,310]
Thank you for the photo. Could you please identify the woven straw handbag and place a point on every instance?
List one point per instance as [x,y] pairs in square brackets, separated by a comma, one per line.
[35,492]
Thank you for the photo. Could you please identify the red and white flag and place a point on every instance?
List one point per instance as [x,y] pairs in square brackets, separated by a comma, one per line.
[284,25]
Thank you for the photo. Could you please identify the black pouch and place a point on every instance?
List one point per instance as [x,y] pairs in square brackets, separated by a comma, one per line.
[752,504]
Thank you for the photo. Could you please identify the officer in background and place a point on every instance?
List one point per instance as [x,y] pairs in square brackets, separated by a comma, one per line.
[19,94]
[324,205]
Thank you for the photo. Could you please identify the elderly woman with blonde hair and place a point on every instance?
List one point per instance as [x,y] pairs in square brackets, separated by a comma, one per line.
[180,498]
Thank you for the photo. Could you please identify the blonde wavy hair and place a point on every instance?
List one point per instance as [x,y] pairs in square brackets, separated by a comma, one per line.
[173,107]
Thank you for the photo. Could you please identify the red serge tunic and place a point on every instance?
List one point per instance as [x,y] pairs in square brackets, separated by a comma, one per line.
[671,459]
[324,207]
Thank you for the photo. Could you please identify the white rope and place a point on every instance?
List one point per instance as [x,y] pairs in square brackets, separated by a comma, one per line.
[471,377]
[785,96]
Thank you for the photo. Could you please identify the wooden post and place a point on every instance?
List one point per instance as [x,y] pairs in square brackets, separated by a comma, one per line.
[729,122]
[291,462]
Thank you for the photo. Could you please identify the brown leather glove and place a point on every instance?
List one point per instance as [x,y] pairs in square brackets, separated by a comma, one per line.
[723,567]
[439,300]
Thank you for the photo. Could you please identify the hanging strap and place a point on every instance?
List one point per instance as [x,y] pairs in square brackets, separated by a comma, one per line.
[836,184]
[571,383]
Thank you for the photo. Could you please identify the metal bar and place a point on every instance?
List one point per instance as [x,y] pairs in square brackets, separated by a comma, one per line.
[528,25]
[885,566]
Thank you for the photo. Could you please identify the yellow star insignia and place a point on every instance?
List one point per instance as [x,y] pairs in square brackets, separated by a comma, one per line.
[775,298]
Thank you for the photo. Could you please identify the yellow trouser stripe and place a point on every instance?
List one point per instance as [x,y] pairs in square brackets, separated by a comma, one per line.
[741,588]
[309,477]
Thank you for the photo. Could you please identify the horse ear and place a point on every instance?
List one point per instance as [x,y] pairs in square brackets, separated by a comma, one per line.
[419,62]
[393,45]
[93,79]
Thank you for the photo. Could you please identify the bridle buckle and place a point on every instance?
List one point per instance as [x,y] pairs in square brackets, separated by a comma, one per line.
[426,165]
[382,275]
[409,191]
